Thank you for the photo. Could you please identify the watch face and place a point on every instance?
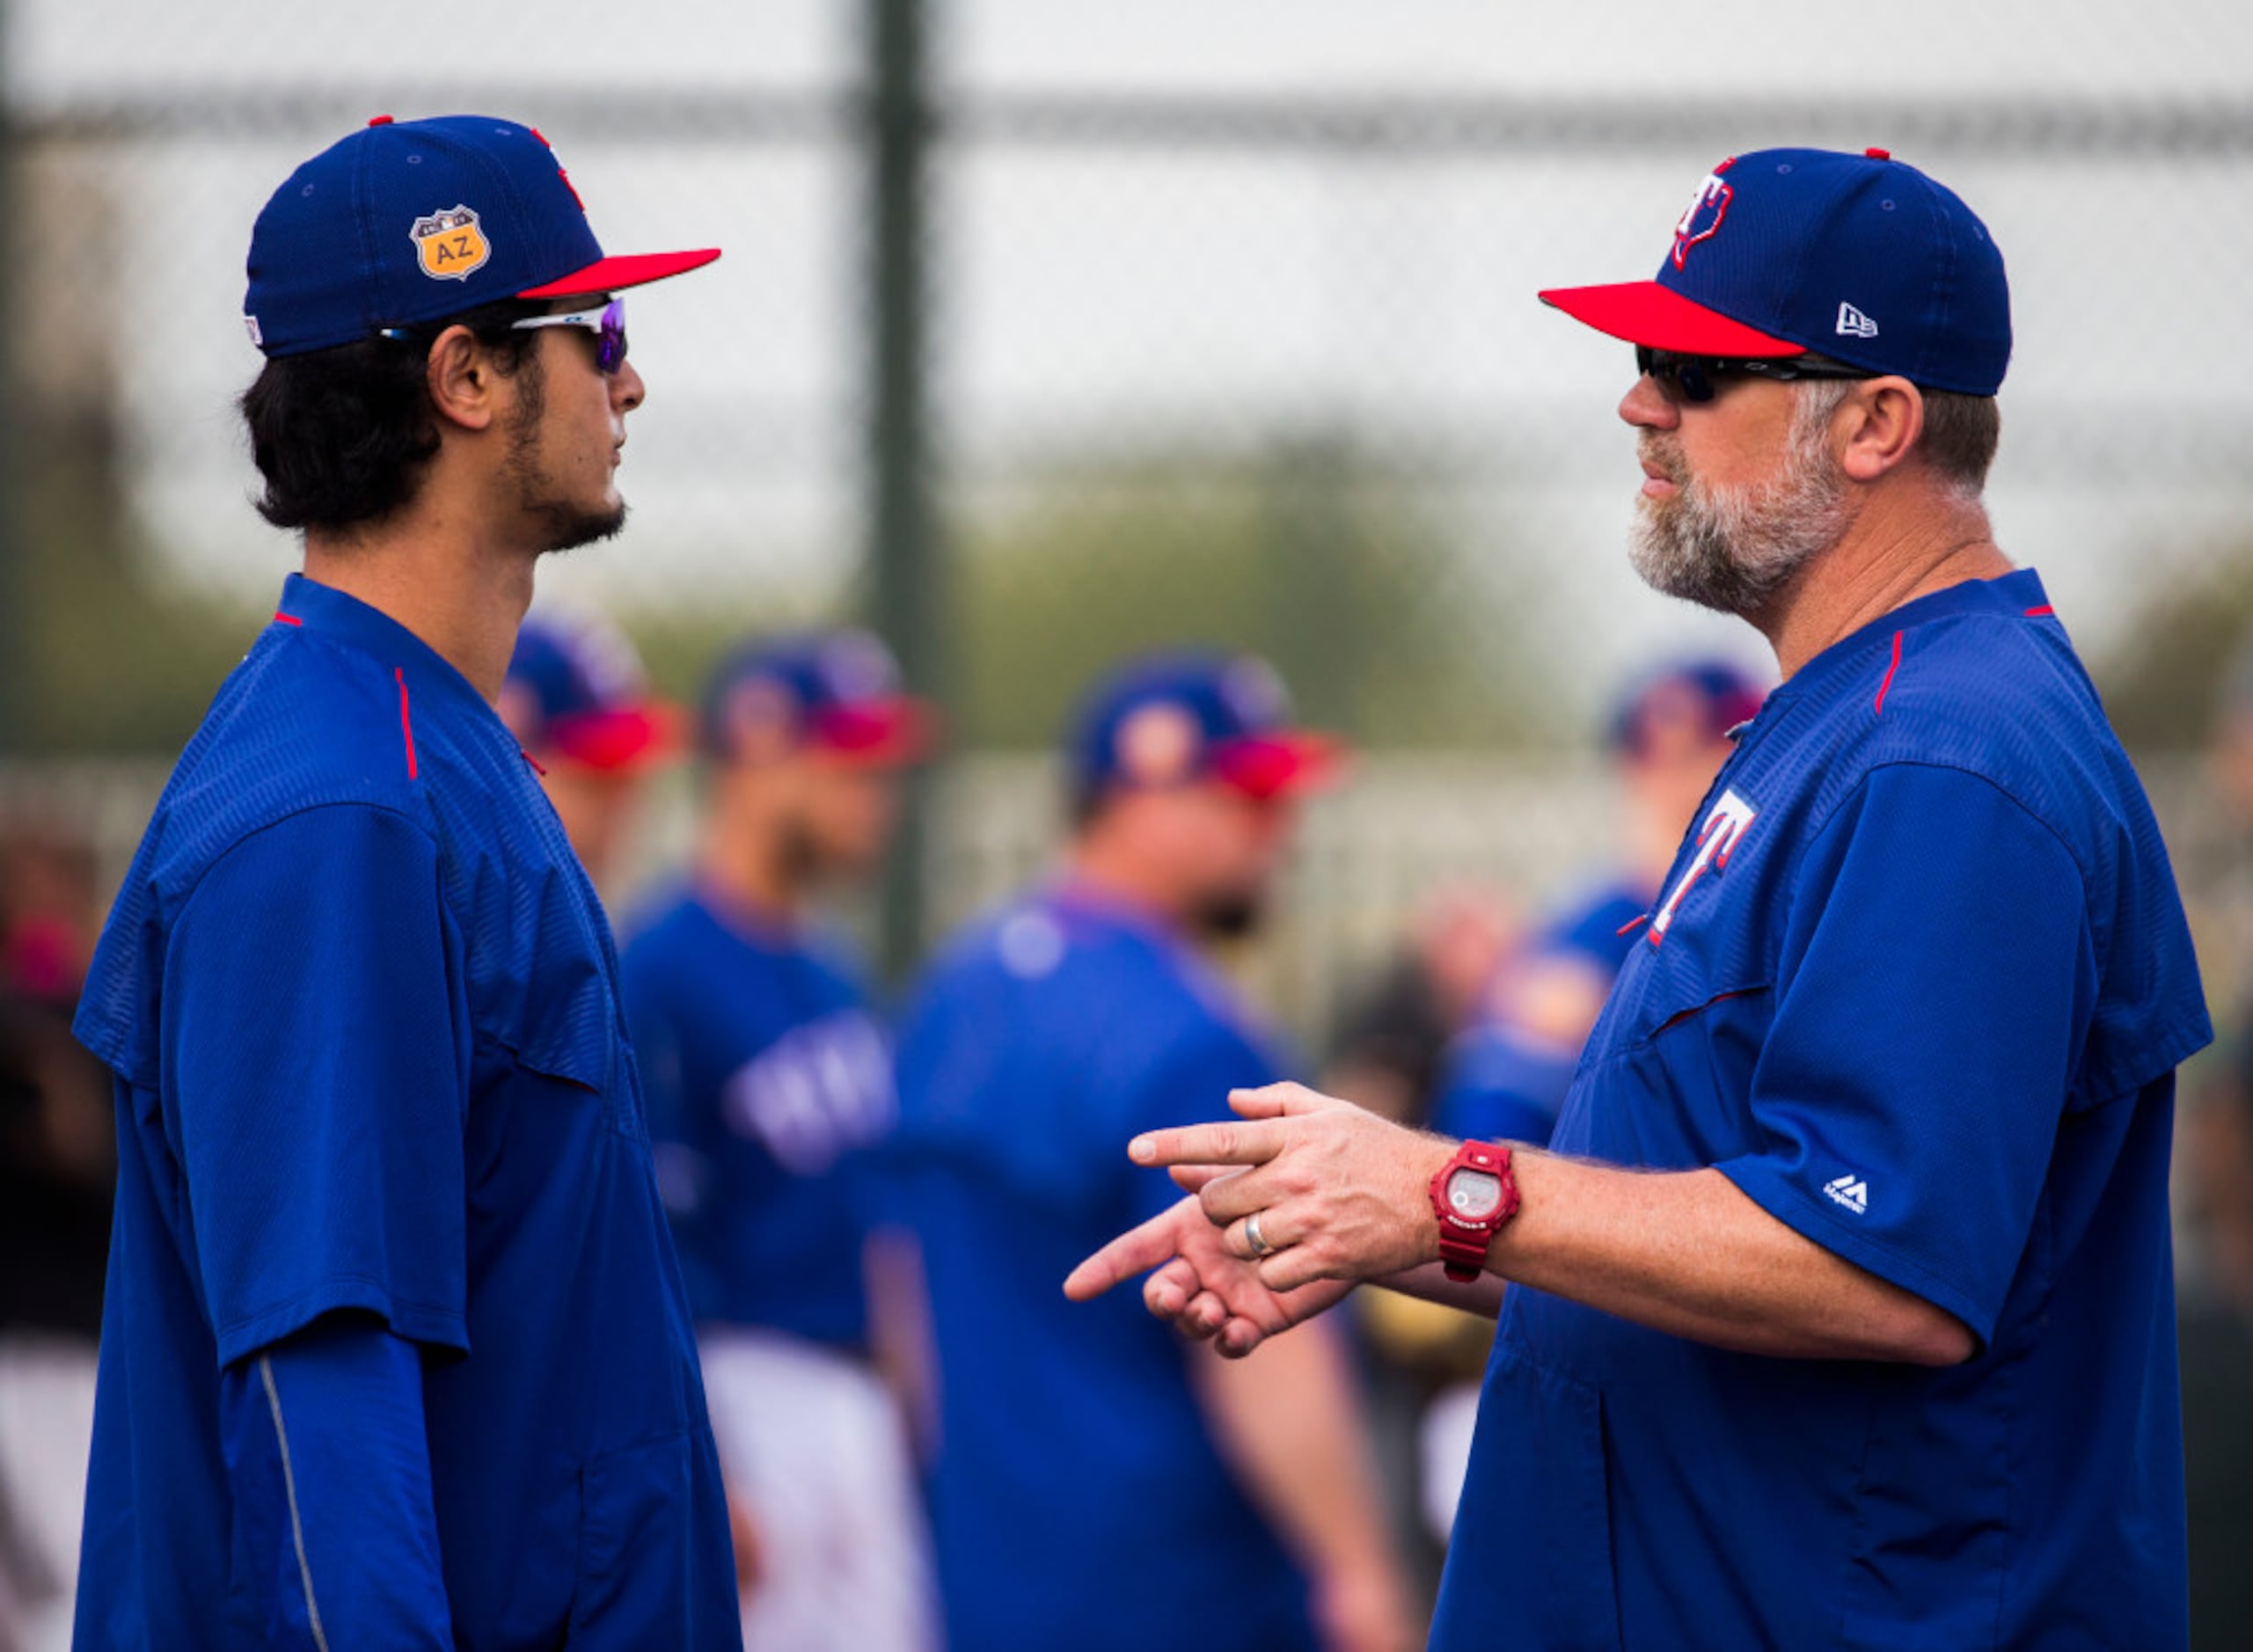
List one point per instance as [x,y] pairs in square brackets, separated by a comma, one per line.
[1474,1194]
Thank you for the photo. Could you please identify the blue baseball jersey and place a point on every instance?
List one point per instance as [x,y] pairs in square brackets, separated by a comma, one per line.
[1077,1496]
[768,1081]
[1917,984]
[362,1008]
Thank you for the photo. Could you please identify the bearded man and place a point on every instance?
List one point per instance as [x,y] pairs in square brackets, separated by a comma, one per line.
[1839,1309]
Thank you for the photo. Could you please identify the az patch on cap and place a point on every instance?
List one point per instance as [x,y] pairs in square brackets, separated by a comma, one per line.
[451,245]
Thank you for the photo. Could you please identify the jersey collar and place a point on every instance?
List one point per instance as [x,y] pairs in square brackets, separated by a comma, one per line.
[2017,595]
[309,605]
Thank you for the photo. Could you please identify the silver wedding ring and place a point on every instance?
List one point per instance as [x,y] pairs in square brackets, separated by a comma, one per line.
[1252,1237]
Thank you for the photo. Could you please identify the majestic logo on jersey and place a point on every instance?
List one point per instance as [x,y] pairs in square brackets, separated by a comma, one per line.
[451,245]
[1854,325]
[1717,839]
[1708,208]
[1850,1191]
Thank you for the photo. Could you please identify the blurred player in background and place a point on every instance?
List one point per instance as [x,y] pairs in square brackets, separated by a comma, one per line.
[1103,1485]
[577,700]
[1842,1309]
[58,1168]
[769,1079]
[1507,1076]
[394,1350]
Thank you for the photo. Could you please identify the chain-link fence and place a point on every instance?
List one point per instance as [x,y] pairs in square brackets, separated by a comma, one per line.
[1231,362]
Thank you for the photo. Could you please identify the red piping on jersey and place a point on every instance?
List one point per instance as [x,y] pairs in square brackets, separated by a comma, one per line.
[2043,612]
[287,619]
[537,767]
[406,723]
[1680,1016]
[1633,923]
[1879,708]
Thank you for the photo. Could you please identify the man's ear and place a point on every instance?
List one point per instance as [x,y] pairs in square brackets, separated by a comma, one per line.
[1884,418]
[463,386]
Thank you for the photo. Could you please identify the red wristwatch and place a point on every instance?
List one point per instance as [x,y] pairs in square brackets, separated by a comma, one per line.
[1473,1196]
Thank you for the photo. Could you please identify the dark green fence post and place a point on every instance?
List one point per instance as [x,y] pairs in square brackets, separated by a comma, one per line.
[903,547]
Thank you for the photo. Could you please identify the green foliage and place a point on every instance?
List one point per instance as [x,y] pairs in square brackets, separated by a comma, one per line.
[2162,685]
[104,657]
[1309,553]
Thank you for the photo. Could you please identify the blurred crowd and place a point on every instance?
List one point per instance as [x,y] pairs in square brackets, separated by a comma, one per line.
[875,1201]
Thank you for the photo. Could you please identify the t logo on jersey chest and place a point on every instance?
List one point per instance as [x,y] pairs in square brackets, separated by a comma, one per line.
[1717,839]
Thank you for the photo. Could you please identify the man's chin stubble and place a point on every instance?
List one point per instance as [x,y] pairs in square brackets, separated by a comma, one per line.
[568,530]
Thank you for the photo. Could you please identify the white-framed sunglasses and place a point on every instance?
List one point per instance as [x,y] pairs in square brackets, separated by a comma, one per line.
[608,324]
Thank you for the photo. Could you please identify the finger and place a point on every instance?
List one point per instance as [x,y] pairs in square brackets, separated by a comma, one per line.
[1281,1100]
[1194,1177]
[1204,1317]
[1168,1292]
[1134,1251]
[1252,1143]
[1277,1234]
[1238,1338]
[1300,1265]
[1228,1198]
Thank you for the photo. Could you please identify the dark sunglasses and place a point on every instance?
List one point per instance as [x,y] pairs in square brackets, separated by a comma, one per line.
[1699,378]
[608,324]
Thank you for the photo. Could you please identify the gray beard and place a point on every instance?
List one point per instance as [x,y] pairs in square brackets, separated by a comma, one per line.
[1733,550]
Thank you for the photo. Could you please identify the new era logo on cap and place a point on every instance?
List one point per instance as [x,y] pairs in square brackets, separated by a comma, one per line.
[1854,325]
[1771,238]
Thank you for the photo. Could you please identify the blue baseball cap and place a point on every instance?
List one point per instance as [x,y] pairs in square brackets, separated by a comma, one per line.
[1859,258]
[835,692]
[576,689]
[1702,699]
[407,221]
[1167,720]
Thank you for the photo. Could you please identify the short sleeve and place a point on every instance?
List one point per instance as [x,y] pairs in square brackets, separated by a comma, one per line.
[315,1038]
[1191,1086]
[1936,986]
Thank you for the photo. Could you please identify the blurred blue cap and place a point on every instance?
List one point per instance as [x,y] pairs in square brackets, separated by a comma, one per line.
[1167,719]
[835,691]
[1697,701]
[575,688]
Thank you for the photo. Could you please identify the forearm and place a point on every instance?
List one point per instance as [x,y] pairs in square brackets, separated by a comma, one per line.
[329,1466]
[1430,1283]
[1289,1419]
[1687,1254]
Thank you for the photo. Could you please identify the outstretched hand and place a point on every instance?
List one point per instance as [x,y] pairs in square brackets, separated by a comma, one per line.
[1340,1195]
[1206,1292]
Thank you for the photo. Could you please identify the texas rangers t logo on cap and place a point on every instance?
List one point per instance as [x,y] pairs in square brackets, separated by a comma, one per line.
[1707,210]
[451,245]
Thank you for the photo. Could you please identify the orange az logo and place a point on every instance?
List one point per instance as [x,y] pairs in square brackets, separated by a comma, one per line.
[450,244]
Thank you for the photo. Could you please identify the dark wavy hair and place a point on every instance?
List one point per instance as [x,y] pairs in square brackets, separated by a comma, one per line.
[341,436]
